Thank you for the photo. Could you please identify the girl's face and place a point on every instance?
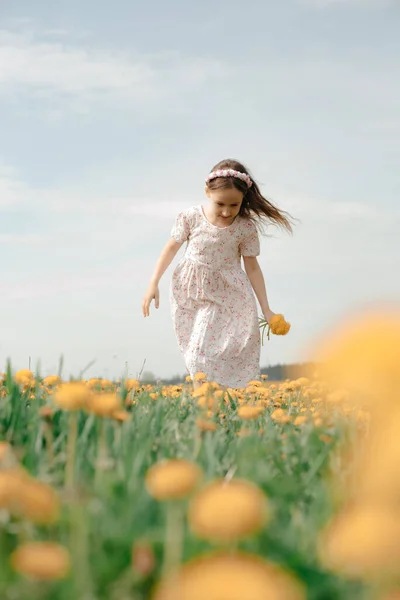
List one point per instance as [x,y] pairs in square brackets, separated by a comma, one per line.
[225,203]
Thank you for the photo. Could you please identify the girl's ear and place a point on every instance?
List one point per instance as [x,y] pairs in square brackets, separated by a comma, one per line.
[207,191]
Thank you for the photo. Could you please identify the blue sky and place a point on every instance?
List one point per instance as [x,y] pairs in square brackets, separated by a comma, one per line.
[111,116]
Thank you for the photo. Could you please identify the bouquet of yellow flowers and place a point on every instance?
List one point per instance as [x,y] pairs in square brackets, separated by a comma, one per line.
[277,325]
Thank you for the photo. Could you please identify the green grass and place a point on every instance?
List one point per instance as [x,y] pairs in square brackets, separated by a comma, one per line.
[110,508]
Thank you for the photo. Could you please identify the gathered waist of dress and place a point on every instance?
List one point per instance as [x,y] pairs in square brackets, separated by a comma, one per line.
[215,265]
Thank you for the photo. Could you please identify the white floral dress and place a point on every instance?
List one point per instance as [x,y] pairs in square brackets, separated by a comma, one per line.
[213,304]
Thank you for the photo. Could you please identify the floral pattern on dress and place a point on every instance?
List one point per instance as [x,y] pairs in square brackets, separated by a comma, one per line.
[212,302]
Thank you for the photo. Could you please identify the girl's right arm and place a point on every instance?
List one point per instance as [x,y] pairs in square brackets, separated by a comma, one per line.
[166,257]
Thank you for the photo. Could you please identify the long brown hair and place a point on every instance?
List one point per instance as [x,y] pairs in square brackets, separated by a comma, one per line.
[254,206]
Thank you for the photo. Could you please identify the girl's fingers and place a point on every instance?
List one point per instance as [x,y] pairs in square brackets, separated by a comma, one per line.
[146,305]
[147,301]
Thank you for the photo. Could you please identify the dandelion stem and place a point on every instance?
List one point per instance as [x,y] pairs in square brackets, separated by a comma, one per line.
[80,549]
[48,434]
[197,445]
[71,450]
[263,324]
[173,538]
[101,452]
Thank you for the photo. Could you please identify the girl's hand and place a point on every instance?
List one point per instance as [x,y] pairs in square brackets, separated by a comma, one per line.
[268,314]
[151,294]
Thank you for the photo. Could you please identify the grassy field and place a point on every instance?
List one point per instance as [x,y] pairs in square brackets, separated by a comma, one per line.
[95,454]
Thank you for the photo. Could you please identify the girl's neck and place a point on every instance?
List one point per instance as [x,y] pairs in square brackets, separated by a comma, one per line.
[220,224]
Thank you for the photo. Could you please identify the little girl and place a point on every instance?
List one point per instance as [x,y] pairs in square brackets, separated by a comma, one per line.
[213,305]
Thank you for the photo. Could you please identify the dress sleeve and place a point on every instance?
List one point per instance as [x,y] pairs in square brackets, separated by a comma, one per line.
[250,245]
[180,230]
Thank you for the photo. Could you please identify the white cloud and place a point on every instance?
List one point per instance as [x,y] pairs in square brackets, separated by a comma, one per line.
[48,68]
[25,60]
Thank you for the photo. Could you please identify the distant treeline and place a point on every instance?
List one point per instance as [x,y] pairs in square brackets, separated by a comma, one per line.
[275,373]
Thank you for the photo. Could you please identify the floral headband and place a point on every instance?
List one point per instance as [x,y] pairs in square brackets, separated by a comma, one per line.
[230,173]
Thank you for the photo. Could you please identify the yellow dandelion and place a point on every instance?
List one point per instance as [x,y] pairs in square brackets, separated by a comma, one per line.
[300,420]
[188,379]
[104,404]
[227,511]
[28,498]
[229,576]
[253,389]
[106,384]
[121,416]
[206,388]
[172,479]
[362,542]
[208,402]
[377,477]
[206,425]
[42,561]
[37,502]
[51,380]
[200,376]
[24,377]
[280,416]
[72,396]
[93,383]
[11,486]
[278,325]
[250,412]
[362,356]
[132,384]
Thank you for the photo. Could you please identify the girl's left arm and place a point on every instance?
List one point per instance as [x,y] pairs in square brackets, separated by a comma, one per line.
[256,279]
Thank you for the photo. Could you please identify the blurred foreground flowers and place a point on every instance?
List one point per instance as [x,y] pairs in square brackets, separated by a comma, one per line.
[363,540]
